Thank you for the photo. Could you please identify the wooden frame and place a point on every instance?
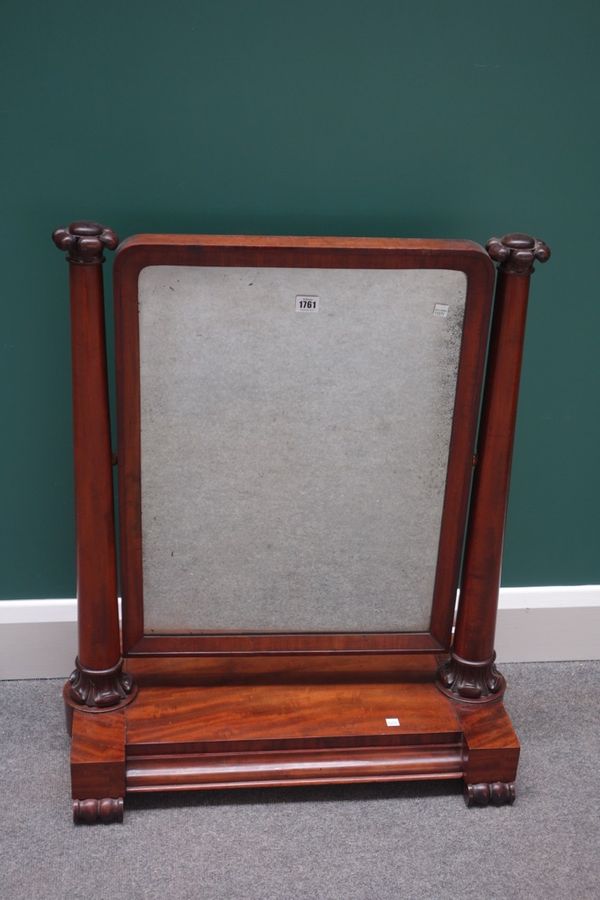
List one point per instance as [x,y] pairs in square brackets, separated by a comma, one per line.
[147,250]
[166,724]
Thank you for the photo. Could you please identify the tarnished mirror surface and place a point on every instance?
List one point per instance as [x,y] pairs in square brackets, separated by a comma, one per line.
[295,427]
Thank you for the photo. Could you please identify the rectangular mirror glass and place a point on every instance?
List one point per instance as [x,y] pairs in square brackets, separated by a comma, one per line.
[295,428]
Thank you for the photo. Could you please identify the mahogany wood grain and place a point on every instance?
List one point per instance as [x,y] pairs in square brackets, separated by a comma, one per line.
[257,717]
[476,619]
[425,247]
[283,644]
[285,768]
[299,731]
[98,755]
[491,745]
[327,727]
[291,669]
[98,622]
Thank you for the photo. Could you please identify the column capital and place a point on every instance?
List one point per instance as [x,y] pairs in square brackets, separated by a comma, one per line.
[85,242]
[516,253]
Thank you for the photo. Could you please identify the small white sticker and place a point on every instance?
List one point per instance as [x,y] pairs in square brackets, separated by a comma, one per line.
[441,310]
[392,723]
[307,303]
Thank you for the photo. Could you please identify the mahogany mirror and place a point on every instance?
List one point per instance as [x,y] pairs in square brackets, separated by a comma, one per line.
[298,459]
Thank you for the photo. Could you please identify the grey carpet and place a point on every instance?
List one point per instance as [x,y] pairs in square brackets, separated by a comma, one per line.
[409,841]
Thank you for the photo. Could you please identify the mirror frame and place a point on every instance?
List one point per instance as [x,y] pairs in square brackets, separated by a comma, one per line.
[142,251]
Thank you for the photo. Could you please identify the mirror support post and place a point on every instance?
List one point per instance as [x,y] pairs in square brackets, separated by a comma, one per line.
[470,674]
[98,682]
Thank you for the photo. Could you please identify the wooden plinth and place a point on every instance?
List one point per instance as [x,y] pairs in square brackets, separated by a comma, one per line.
[214,724]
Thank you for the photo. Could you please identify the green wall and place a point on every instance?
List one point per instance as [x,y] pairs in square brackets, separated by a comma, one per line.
[385,118]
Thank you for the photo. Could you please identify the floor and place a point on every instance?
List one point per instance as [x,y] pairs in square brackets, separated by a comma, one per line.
[409,841]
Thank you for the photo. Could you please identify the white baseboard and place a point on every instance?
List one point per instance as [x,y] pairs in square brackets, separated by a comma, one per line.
[543,624]
[38,638]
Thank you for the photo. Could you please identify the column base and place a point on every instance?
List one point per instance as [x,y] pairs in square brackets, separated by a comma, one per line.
[96,691]
[473,682]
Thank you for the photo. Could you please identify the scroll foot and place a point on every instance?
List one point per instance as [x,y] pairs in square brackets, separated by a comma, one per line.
[498,793]
[90,812]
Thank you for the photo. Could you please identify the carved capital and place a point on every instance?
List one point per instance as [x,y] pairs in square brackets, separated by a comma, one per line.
[516,253]
[85,242]
[498,793]
[100,690]
[476,682]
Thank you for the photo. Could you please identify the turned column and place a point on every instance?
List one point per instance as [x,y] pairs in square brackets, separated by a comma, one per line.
[470,673]
[98,681]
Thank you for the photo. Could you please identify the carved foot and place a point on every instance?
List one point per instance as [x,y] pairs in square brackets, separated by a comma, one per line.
[90,812]
[471,681]
[498,793]
[108,689]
